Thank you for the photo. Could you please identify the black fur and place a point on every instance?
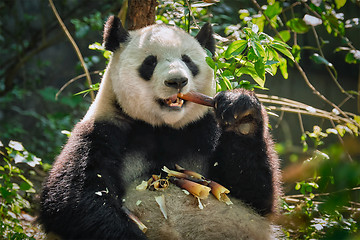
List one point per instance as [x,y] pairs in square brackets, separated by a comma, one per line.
[190,64]
[147,67]
[249,170]
[114,34]
[206,39]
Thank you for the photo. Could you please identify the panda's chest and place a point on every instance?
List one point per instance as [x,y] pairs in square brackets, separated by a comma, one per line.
[138,165]
[148,150]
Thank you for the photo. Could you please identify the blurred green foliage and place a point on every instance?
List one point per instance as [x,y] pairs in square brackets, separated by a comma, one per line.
[15,188]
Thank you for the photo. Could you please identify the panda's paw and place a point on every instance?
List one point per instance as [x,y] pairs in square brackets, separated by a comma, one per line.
[238,111]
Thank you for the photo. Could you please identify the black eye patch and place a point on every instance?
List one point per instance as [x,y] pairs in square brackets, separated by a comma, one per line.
[147,67]
[190,64]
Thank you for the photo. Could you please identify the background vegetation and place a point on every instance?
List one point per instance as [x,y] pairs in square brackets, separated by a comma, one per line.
[302,58]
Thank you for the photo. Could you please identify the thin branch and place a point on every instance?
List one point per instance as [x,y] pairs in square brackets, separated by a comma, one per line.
[280,119]
[326,66]
[71,81]
[316,92]
[192,15]
[301,124]
[292,106]
[344,101]
[325,194]
[88,78]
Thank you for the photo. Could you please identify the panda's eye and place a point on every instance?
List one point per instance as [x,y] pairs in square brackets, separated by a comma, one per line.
[147,67]
[190,64]
[150,60]
[186,59]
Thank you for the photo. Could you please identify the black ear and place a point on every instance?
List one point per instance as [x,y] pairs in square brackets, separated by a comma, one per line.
[114,34]
[206,39]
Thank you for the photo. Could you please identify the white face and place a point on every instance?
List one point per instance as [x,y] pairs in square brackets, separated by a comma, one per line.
[158,62]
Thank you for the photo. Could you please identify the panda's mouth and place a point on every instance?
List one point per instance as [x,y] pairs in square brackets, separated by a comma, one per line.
[173,102]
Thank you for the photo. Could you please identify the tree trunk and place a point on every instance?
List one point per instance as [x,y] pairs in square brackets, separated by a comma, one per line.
[140,13]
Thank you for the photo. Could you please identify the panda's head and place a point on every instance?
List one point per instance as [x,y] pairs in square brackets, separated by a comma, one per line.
[151,65]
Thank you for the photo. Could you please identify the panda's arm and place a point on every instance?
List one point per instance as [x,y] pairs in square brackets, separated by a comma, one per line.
[244,160]
[82,197]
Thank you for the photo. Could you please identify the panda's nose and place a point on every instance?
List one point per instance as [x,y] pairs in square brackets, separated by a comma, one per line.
[176,83]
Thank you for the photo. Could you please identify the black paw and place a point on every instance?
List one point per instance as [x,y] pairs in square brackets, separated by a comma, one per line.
[238,111]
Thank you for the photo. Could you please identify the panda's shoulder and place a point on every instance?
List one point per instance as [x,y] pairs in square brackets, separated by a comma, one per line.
[91,136]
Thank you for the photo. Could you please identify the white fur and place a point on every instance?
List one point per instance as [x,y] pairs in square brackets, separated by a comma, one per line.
[136,96]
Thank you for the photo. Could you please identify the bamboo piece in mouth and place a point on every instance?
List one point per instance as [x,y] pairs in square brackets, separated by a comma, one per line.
[198,98]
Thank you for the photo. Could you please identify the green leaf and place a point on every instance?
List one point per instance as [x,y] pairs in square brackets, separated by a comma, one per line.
[272,54]
[271,69]
[296,50]
[24,186]
[96,46]
[235,48]
[210,62]
[332,23]
[353,128]
[260,69]
[281,43]
[285,36]
[283,50]
[341,130]
[251,71]
[223,84]
[273,10]
[349,58]
[320,60]
[357,119]
[107,54]
[271,62]
[258,49]
[283,68]
[340,3]
[297,25]
[260,22]
[93,87]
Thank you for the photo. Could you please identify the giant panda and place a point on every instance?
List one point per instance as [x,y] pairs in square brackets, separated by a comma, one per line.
[136,125]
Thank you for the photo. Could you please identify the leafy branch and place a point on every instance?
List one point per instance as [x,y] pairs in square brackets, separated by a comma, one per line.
[88,78]
[302,72]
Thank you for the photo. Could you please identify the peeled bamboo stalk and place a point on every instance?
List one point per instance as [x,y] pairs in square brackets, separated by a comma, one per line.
[196,189]
[217,189]
[197,97]
[220,192]
[189,172]
[172,173]
[135,219]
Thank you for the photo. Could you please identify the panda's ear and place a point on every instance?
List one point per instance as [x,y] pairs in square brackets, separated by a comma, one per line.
[114,34]
[205,38]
